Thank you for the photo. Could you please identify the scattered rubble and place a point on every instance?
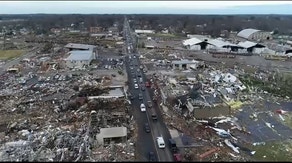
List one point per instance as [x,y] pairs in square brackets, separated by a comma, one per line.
[48,115]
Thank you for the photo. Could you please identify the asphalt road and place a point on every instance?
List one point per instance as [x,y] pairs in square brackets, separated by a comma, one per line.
[15,61]
[146,142]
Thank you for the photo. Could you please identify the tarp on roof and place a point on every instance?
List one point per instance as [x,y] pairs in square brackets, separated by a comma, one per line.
[249,44]
[80,55]
[247,32]
[192,41]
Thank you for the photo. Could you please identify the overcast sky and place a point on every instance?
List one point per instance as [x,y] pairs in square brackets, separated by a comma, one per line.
[144,7]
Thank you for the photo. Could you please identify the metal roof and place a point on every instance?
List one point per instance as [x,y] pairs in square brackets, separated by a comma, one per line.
[220,43]
[144,31]
[80,55]
[113,132]
[80,46]
[192,41]
[200,37]
[184,61]
[248,44]
[247,32]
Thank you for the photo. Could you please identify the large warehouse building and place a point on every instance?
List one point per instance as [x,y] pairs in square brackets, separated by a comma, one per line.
[79,58]
[254,34]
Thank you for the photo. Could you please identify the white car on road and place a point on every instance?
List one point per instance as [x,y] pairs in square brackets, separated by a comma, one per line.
[160,142]
[143,108]
[136,86]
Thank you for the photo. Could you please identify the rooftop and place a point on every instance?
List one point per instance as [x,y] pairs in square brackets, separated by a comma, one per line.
[80,46]
[247,32]
[113,132]
[184,61]
[221,43]
[249,44]
[192,41]
[80,55]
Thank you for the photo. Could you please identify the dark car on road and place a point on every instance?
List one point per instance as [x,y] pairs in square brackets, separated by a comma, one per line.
[140,96]
[149,104]
[147,127]
[152,156]
[142,87]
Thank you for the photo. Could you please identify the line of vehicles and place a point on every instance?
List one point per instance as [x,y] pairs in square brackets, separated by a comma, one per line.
[136,73]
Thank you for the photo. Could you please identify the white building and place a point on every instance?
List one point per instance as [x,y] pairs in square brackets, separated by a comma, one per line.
[251,47]
[254,34]
[79,58]
[221,46]
[185,64]
[195,44]
[138,31]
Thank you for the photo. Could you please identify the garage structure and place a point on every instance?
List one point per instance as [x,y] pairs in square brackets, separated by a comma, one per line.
[254,34]
[219,45]
[195,44]
[251,47]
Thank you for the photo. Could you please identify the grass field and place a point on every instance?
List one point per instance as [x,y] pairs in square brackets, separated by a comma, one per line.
[9,54]
[273,151]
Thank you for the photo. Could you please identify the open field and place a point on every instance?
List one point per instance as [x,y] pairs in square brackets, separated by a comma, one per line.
[9,54]
[273,151]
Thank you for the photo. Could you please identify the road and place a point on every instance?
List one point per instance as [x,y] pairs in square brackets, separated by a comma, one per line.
[14,61]
[146,142]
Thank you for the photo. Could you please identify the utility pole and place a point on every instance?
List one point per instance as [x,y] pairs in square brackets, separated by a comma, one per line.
[4,41]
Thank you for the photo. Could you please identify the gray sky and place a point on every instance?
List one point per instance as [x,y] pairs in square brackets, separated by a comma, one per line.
[129,7]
